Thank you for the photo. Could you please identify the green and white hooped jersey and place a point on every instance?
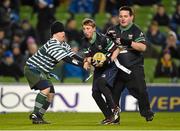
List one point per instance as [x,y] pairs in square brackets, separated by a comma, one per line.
[49,55]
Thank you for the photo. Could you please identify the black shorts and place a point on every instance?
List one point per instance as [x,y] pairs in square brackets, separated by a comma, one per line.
[43,84]
[134,82]
[109,74]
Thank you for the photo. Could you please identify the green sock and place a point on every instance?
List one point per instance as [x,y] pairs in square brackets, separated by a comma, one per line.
[44,107]
[39,102]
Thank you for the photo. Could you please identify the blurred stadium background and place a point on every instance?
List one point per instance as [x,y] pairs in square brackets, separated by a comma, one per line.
[25,13]
[21,25]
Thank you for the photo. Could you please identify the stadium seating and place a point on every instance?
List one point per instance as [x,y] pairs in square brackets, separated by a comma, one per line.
[143,16]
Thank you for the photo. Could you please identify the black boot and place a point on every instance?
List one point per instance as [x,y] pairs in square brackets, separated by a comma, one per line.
[37,119]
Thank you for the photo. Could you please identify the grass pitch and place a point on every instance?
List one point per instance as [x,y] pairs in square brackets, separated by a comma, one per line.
[90,121]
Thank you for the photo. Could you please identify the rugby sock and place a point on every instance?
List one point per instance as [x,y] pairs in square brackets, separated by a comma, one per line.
[39,102]
[44,107]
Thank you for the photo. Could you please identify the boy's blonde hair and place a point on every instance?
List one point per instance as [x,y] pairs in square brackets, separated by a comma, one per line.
[88,21]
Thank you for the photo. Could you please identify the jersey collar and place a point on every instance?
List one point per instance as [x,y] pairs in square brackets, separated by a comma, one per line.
[126,28]
[93,38]
[57,40]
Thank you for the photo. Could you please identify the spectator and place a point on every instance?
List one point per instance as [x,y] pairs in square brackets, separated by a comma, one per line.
[161,17]
[14,5]
[175,21]
[4,42]
[155,40]
[121,3]
[113,20]
[166,67]
[96,5]
[28,29]
[9,68]
[31,47]
[19,38]
[154,36]
[79,6]
[27,2]
[171,40]
[45,11]
[111,7]
[71,31]
[5,13]
[146,2]
[18,56]
[171,44]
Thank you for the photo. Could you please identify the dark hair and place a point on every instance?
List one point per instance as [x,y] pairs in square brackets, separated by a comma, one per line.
[127,8]
[88,21]
[69,20]
[160,5]
[155,23]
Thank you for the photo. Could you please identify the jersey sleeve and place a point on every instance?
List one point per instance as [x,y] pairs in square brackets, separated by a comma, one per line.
[110,48]
[59,51]
[87,52]
[139,36]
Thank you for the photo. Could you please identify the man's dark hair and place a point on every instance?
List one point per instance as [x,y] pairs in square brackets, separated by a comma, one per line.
[127,8]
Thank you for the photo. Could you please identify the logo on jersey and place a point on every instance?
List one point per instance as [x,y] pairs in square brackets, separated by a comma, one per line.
[100,47]
[130,36]
[118,41]
[103,75]
[141,34]
[75,61]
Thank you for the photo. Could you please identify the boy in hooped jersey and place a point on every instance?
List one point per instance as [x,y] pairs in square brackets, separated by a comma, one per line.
[38,69]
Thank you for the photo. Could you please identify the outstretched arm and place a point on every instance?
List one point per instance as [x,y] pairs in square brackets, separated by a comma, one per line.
[73,61]
[115,54]
[77,61]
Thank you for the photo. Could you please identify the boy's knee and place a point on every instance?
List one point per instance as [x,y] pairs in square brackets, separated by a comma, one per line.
[95,94]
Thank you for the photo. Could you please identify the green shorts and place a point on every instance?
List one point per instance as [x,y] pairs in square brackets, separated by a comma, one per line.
[36,78]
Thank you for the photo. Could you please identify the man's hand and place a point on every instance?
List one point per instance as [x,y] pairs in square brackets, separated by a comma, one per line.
[87,65]
[111,34]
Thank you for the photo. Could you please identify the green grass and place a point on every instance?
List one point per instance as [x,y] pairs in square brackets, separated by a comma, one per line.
[90,121]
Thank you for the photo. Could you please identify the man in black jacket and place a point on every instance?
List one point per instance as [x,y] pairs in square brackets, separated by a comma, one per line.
[132,42]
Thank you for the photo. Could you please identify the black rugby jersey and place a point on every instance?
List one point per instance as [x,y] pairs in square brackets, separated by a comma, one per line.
[99,43]
[129,56]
